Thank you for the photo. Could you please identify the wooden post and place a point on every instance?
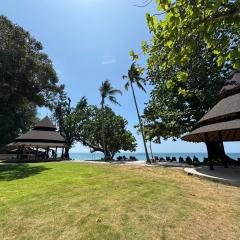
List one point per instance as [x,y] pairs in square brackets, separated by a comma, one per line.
[18,152]
[47,152]
[55,152]
[225,161]
[21,153]
[62,152]
[209,151]
[36,153]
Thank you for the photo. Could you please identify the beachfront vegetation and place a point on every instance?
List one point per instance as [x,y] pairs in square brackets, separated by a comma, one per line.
[193,49]
[134,77]
[117,137]
[84,124]
[107,92]
[27,80]
[174,108]
[86,201]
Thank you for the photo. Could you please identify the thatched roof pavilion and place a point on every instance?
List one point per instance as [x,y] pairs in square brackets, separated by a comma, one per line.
[43,135]
[222,122]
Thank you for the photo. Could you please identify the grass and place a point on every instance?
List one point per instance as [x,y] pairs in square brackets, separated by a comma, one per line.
[86,201]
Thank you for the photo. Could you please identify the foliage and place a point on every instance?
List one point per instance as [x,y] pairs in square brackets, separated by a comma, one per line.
[179,25]
[70,119]
[174,109]
[117,137]
[83,124]
[14,123]
[135,77]
[107,92]
[27,79]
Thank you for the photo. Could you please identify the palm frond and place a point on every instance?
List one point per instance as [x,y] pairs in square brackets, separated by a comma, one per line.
[113,100]
[115,91]
[140,86]
[126,86]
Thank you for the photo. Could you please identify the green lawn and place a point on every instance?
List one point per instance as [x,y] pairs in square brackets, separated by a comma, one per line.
[86,201]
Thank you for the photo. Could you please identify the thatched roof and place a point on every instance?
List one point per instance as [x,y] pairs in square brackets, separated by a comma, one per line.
[230,131]
[43,134]
[231,86]
[45,123]
[36,135]
[223,118]
[225,109]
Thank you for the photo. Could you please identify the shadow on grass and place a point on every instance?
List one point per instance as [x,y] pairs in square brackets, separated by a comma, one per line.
[19,171]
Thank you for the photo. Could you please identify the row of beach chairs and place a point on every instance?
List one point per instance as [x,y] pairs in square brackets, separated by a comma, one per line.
[124,158]
[187,160]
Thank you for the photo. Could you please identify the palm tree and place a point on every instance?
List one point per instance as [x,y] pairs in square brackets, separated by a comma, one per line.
[134,77]
[107,91]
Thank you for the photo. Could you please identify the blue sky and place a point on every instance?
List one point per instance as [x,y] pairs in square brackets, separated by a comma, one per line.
[89,41]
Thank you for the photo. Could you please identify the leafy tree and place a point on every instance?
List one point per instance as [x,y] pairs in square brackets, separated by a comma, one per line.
[70,119]
[182,24]
[117,137]
[134,77]
[175,108]
[27,78]
[177,104]
[107,92]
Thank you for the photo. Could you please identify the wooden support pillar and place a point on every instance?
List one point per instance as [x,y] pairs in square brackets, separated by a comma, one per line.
[18,152]
[21,153]
[47,152]
[36,153]
[55,152]
[225,160]
[209,151]
[62,152]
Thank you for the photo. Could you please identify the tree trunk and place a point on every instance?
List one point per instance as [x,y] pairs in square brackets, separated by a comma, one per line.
[103,131]
[66,153]
[216,153]
[150,144]
[141,125]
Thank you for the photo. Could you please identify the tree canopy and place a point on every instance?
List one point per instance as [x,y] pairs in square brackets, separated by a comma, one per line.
[27,79]
[178,25]
[193,49]
[174,109]
[117,137]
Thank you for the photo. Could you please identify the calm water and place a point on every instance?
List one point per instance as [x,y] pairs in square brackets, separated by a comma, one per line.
[141,156]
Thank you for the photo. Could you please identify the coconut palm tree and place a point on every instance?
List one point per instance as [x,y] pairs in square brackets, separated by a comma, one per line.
[107,92]
[134,77]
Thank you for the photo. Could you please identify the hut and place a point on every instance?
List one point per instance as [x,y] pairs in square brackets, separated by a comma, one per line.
[221,123]
[39,142]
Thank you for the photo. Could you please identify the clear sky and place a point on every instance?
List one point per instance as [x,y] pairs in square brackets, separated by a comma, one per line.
[89,41]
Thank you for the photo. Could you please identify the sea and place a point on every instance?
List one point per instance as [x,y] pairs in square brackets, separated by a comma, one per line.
[142,157]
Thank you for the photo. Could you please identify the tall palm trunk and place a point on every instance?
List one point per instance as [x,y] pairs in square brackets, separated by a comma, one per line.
[103,130]
[141,125]
[150,144]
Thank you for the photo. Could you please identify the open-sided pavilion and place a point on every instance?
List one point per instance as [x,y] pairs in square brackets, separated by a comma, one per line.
[222,122]
[38,143]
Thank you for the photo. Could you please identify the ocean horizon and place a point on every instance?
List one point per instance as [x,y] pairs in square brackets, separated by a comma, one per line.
[141,156]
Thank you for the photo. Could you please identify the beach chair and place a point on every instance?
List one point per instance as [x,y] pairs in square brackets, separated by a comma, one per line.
[168,159]
[181,160]
[161,159]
